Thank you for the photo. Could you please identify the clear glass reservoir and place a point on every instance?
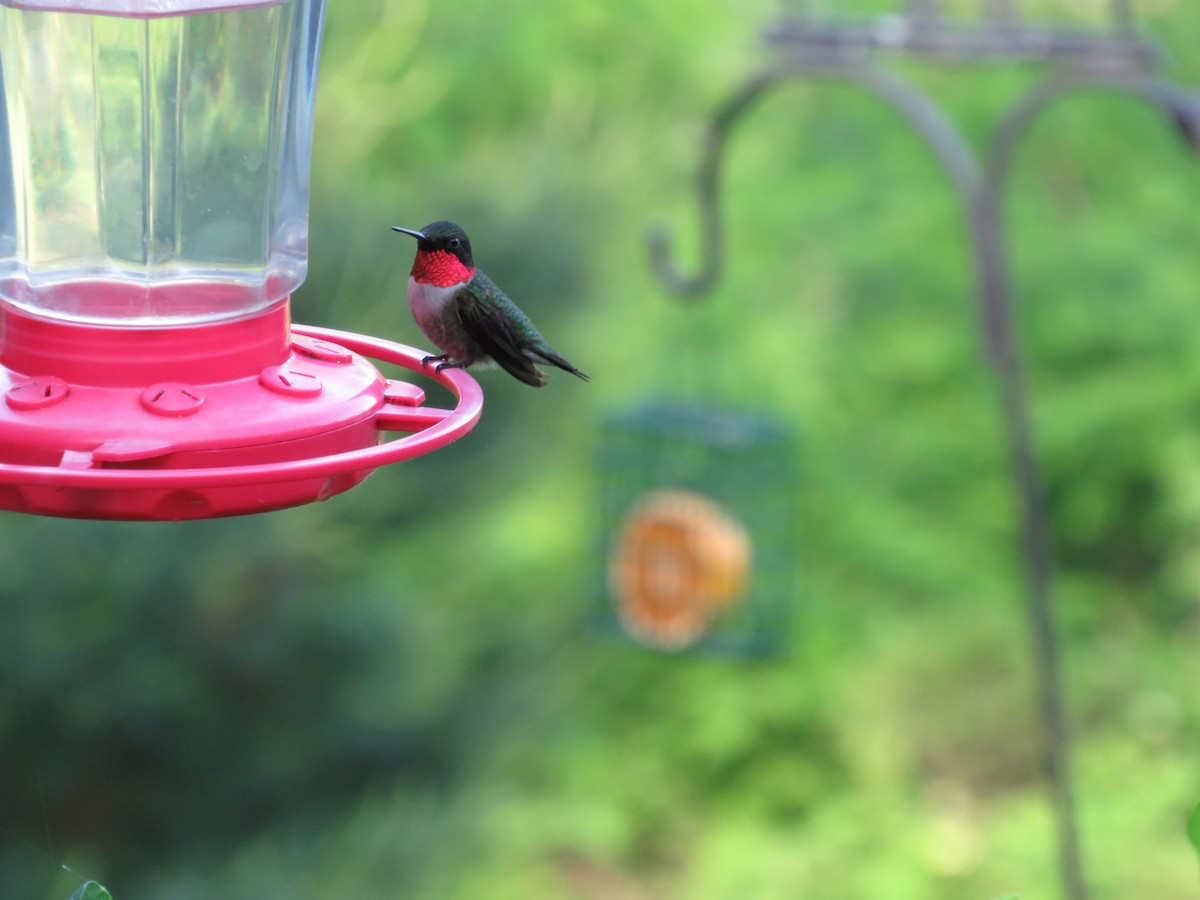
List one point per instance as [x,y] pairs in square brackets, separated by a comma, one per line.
[154,156]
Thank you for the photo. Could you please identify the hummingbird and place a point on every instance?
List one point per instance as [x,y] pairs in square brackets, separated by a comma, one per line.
[466,316]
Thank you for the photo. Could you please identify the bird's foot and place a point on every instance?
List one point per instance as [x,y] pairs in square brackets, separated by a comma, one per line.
[443,362]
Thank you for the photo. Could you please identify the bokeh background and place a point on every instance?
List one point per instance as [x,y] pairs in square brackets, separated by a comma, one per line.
[398,693]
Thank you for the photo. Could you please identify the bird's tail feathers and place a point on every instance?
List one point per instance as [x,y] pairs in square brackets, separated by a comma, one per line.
[548,356]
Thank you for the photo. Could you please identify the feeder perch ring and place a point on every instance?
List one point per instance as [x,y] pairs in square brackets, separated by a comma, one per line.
[137,478]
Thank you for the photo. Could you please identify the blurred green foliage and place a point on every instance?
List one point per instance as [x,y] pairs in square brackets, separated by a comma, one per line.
[1193,828]
[396,693]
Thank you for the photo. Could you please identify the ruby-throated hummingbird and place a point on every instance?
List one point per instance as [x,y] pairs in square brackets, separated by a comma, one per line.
[466,316]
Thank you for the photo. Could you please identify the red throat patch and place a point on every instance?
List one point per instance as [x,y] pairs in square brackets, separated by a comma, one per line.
[440,268]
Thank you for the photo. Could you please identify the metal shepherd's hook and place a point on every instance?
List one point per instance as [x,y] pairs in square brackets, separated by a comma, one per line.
[1086,63]
[708,188]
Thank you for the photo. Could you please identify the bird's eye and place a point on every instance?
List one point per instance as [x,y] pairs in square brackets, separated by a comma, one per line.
[454,244]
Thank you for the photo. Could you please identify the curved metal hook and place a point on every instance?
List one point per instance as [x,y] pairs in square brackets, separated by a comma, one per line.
[708,195]
[920,111]
[1180,106]
[946,140]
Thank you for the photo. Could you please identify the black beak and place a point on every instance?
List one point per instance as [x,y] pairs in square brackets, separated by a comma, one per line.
[419,235]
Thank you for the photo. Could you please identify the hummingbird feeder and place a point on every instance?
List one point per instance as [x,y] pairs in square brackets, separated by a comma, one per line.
[1077,47]
[154,169]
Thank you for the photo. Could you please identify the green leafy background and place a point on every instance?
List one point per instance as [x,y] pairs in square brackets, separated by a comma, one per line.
[396,693]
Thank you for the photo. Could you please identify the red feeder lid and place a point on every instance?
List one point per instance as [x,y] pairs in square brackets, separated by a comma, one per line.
[205,420]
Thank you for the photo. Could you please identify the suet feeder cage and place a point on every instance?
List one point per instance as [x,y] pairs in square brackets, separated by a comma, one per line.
[154,170]
[698,528]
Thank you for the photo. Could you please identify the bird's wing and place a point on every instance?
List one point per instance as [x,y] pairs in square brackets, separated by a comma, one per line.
[502,331]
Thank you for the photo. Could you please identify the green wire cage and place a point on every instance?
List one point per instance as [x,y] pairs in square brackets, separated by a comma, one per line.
[699,528]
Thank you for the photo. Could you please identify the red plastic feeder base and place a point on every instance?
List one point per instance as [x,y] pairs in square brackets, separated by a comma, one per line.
[207,420]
